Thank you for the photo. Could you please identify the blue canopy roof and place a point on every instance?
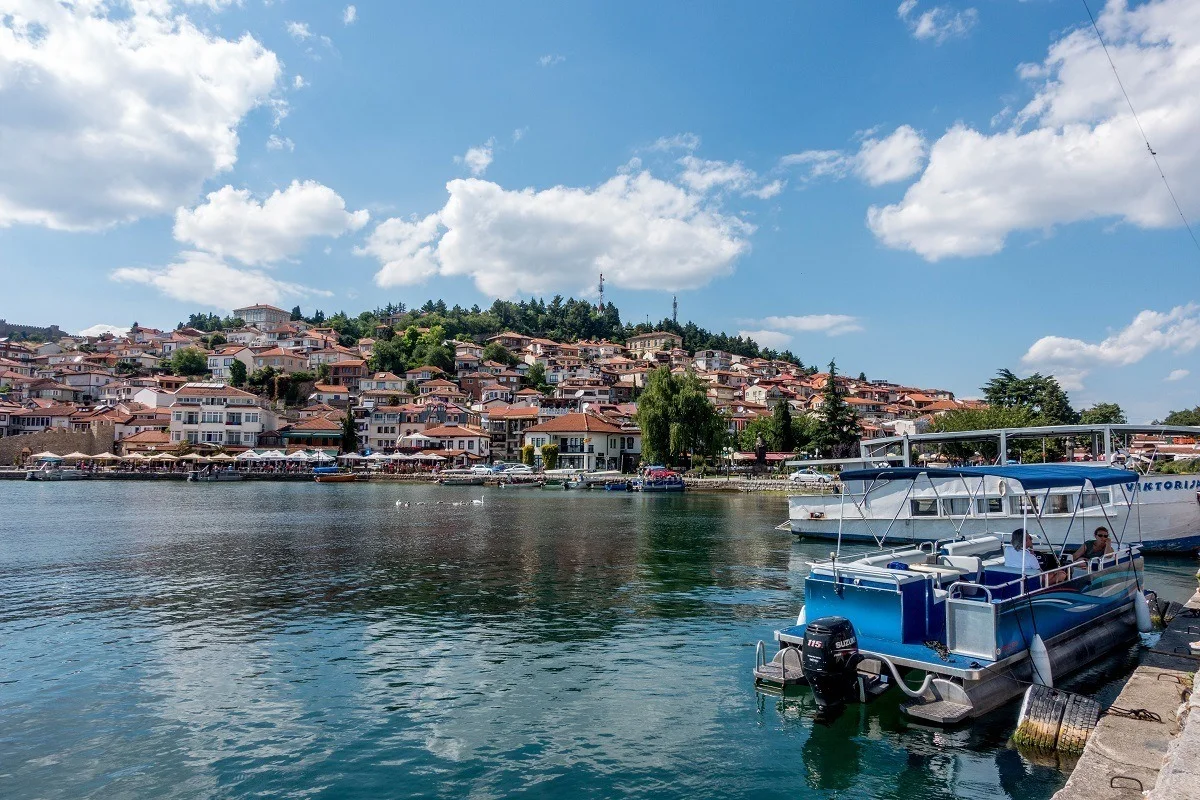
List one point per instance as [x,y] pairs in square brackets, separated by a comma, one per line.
[1030,476]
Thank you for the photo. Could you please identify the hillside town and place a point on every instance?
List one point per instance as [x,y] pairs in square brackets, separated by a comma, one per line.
[578,395]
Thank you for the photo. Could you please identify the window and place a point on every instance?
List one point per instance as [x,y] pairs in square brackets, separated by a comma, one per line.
[1023,504]
[213,416]
[178,416]
[1059,503]
[923,508]
[956,506]
[989,505]
[1095,499]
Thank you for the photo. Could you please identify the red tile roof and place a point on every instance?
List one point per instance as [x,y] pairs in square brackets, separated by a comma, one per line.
[575,422]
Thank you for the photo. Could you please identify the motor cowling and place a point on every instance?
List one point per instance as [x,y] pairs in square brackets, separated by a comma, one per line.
[830,657]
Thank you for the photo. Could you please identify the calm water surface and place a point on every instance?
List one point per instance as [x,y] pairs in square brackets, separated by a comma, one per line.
[296,640]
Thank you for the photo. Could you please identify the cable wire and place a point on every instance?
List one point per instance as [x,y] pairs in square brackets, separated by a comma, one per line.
[1145,138]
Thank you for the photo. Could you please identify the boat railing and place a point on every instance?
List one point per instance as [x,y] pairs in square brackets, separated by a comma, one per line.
[1089,566]
[862,570]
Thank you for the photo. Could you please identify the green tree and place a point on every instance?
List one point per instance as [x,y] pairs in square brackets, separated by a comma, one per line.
[979,419]
[349,434]
[498,353]
[323,373]
[1188,416]
[237,373]
[550,456]
[836,431]
[1042,394]
[217,339]
[676,418]
[786,438]
[527,455]
[1103,414]
[189,362]
[297,314]
[389,356]
[536,377]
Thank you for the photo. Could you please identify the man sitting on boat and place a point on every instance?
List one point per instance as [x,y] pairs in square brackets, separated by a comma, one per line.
[1094,548]
[1019,554]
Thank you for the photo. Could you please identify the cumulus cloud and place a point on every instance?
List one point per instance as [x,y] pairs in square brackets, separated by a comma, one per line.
[828,324]
[680,141]
[776,340]
[205,279]
[232,223]
[705,176]
[280,143]
[895,157]
[101,329]
[349,15]
[108,118]
[298,82]
[939,24]
[1074,152]
[640,231]
[1178,374]
[478,159]
[298,30]
[550,60]
[1070,360]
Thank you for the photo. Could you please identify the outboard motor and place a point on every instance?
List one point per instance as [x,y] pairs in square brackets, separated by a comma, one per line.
[830,656]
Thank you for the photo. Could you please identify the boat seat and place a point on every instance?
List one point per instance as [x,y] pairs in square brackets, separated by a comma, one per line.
[941,570]
[909,557]
[978,546]
[970,565]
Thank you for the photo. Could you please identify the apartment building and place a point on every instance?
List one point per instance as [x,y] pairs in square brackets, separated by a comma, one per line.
[218,415]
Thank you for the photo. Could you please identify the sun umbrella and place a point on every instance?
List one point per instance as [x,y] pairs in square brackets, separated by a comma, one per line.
[136,457]
[76,456]
[321,455]
[249,455]
[272,455]
[46,456]
[165,457]
[352,457]
[299,455]
[106,457]
[224,457]
[431,457]
[377,457]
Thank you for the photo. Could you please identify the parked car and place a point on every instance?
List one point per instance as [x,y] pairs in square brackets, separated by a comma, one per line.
[810,477]
[518,469]
[482,469]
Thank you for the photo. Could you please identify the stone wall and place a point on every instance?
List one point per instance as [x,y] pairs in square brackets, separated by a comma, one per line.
[61,442]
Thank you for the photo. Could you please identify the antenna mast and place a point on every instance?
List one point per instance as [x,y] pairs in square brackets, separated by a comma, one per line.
[675,309]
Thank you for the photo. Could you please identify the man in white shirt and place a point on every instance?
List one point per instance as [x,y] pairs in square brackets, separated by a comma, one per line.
[1019,554]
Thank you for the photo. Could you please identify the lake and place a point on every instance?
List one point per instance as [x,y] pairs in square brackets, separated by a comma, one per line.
[302,640]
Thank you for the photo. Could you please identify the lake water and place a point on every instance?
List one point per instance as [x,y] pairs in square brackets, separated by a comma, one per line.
[301,640]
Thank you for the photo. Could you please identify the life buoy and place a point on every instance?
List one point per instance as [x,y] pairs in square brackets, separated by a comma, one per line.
[1003,488]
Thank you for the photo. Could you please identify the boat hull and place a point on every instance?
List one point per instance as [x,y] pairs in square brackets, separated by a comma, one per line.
[335,478]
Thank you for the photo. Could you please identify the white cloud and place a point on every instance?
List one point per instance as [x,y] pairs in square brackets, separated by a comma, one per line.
[828,324]
[640,231]
[705,176]
[776,340]
[101,329]
[298,30]
[1074,152]
[207,280]
[1178,374]
[897,156]
[767,190]
[280,143]
[478,159]
[892,158]
[680,141]
[940,23]
[519,134]
[551,60]
[298,82]
[106,119]
[349,15]
[232,223]
[1070,360]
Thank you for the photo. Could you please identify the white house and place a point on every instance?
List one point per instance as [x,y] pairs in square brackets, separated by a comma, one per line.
[219,361]
[587,442]
[262,316]
[216,414]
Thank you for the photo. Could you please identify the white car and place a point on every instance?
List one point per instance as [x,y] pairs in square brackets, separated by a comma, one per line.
[518,469]
[810,477]
[482,469]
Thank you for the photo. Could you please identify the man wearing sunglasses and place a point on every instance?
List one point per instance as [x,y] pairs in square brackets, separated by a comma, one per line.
[1094,548]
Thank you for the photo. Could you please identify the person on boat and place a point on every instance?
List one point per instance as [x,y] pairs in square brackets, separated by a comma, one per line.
[1101,545]
[1019,554]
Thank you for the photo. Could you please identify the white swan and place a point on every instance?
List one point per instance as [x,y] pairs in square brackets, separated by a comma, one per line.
[478,502]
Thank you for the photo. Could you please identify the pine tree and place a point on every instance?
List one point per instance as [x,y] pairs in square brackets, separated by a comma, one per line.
[349,434]
[783,427]
[837,425]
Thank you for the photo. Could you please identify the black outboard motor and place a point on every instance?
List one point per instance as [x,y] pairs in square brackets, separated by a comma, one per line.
[830,656]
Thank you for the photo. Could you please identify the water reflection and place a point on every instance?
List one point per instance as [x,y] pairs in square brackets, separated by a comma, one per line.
[284,639]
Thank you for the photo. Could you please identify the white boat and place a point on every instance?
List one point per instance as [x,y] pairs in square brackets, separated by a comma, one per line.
[1161,512]
[50,472]
[214,475]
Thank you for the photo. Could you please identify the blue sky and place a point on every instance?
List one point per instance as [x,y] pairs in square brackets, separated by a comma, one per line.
[927,191]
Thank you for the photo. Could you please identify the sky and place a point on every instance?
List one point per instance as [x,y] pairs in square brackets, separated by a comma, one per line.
[926,191]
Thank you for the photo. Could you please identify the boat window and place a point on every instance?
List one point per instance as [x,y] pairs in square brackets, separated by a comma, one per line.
[1023,504]
[1094,499]
[956,506]
[989,505]
[1059,503]
[924,508]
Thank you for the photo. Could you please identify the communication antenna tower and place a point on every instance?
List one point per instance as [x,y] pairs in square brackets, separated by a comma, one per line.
[601,306]
[675,309]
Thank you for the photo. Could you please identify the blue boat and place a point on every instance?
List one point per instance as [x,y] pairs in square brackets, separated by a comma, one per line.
[658,479]
[951,613]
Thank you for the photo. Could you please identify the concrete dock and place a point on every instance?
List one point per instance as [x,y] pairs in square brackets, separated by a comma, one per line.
[1155,754]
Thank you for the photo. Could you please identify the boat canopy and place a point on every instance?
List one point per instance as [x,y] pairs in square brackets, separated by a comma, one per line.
[1030,476]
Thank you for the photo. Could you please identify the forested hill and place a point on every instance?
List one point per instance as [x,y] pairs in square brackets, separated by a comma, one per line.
[560,320]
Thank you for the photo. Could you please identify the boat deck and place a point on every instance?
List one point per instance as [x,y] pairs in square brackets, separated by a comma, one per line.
[915,656]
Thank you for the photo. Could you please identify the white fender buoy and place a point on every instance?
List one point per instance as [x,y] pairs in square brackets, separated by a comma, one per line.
[1041,663]
[1141,610]
[802,620]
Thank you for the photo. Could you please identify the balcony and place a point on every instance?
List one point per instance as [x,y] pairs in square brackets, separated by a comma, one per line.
[576,450]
